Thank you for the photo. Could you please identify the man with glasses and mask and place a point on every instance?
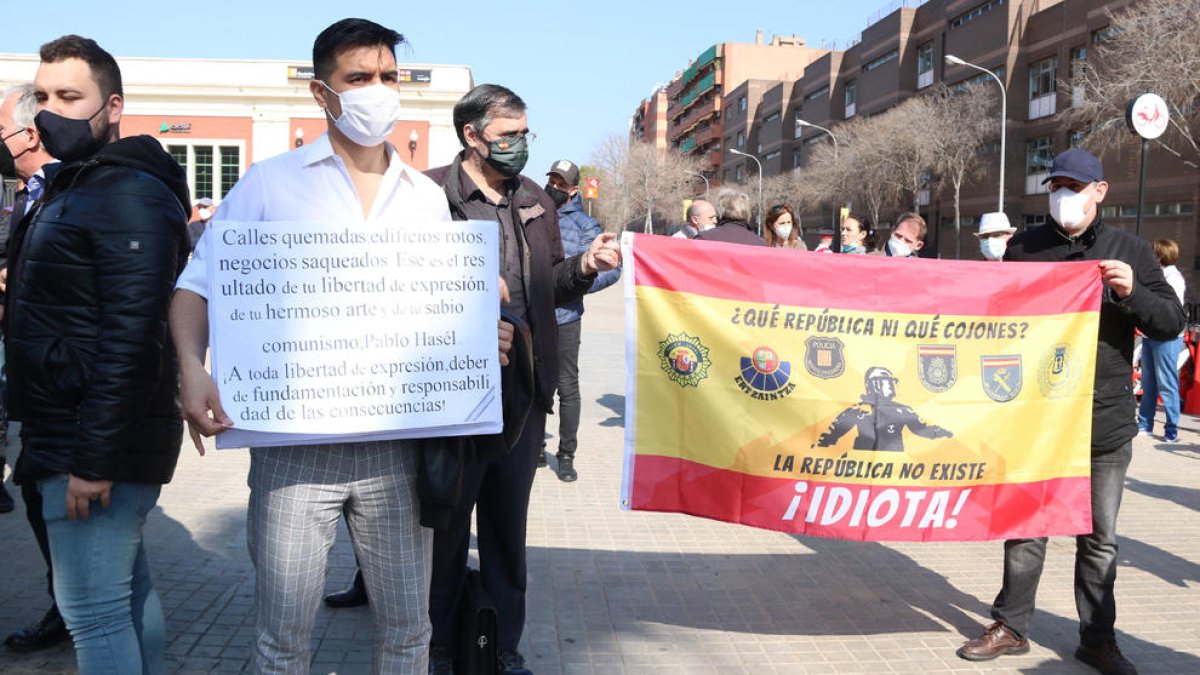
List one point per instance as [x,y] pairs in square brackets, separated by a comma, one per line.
[91,368]
[297,493]
[24,156]
[484,182]
[1136,296]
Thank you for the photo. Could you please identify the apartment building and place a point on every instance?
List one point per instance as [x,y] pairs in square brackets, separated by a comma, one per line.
[696,98]
[1032,46]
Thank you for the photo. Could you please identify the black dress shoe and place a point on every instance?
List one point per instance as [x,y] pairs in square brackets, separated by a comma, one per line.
[41,635]
[566,469]
[6,500]
[1106,658]
[354,596]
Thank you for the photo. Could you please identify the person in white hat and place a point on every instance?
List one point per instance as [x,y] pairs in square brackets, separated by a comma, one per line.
[994,233]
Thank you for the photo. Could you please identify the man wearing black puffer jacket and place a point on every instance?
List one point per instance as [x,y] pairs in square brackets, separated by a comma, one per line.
[1136,296]
[93,375]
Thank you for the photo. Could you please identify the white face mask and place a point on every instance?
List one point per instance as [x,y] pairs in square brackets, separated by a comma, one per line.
[993,248]
[783,231]
[1067,208]
[898,248]
[368,113]
[205,214]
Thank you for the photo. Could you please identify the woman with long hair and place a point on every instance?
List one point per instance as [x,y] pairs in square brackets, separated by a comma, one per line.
[781,228]
[857,235]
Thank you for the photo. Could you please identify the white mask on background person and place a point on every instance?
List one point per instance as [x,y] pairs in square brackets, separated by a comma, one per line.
[993,248]
[898,248]
[205,214]
[368,113]
[1067,207]
[782,231]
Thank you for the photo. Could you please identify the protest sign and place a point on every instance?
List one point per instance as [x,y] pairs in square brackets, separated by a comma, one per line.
[859,397]
[326,332]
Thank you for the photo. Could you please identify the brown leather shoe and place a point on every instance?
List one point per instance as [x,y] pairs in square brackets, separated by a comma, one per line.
[997,640]
[1106,658]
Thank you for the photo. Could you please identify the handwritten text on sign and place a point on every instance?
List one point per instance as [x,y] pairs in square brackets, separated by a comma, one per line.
[326,328]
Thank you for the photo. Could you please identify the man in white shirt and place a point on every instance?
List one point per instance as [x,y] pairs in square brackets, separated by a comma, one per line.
[297,493]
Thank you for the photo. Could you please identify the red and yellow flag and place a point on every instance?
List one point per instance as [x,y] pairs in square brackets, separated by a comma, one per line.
[859,397]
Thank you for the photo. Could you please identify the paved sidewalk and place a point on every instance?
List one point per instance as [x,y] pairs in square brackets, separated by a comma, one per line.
[619,592]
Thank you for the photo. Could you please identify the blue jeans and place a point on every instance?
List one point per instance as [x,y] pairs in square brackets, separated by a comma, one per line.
[1095,561]
[1160,377]
[102,582]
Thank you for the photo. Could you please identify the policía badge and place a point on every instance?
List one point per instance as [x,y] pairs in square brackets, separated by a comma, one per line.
[937,366]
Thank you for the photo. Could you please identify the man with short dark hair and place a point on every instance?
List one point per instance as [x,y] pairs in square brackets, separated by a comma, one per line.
[578,231]
[1136,296]
[91,367]
[297,493]
[484,182]
[30,162]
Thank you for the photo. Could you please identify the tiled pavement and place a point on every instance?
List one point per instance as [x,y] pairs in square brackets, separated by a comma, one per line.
[620,592]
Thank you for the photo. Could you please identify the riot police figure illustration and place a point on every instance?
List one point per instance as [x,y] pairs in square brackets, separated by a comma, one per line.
[880,420]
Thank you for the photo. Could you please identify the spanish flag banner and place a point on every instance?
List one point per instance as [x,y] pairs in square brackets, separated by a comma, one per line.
[859,397]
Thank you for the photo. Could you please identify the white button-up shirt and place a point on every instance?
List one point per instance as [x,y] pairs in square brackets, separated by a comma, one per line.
[312,183]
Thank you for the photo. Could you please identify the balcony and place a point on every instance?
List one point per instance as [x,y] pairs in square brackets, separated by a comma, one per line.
[1042,106]
[694,116]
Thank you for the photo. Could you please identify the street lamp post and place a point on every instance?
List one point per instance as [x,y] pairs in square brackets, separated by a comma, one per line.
[837,230]
[703,178]
[950,58]
[760,202]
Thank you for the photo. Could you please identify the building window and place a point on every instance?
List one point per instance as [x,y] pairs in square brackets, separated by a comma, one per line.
[1078,65]
[737,173]
[1042,87]
[851,97]
[1075,138]
[741,139]
[877,62]
[773,117]
[814,95]
[963,85]
[1039,156]
[212,170]
[773,155]
[742,103]
[1034,220]
[1104,34]
[925,65]
[975,12]
[795,159]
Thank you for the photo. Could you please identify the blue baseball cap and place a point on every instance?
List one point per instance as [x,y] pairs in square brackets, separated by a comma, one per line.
[1078,164]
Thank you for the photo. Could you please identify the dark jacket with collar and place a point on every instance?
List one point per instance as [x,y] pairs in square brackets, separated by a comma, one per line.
[578,229]
[734,232]
[550,280]
[1152,308]
[92,372]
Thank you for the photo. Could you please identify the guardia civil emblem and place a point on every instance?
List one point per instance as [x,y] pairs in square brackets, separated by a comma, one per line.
[1058,372]
[823,357]
[1001,377]
[764,377]
[684,359]
[937,366]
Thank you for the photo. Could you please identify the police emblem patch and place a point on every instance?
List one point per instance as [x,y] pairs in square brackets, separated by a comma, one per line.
[1058,372]
[1001,377]
[764,377]
[684,359]
[937,366]
[823,357]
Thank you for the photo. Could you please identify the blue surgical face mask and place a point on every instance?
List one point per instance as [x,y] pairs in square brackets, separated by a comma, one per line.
[993,248]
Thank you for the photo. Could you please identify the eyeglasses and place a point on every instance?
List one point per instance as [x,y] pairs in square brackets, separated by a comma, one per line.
[505,142]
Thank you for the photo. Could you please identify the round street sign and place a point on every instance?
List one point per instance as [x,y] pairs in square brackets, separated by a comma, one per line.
[1147,115]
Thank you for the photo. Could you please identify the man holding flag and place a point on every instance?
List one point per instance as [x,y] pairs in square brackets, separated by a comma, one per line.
[1136,296]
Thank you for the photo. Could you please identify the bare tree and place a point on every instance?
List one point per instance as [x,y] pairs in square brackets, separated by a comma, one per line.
[958,126]
[637,181]
[902,149]
[1151,46]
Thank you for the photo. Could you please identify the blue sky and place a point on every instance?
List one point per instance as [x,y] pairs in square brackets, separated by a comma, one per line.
[581,67]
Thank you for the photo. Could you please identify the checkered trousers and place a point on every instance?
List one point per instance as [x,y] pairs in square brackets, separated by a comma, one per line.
[297,495]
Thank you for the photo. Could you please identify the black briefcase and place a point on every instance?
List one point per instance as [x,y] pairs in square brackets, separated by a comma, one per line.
[477,629]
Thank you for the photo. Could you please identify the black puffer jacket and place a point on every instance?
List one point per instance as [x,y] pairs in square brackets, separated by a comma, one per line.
[92,374]
[1152,308]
